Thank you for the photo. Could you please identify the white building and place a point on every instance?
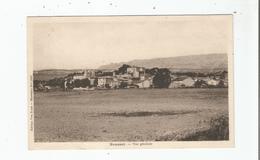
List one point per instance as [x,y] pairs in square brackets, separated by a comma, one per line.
[212,82]
[135,71]
[79,76]
[182,82]
[144,84]
[101,82]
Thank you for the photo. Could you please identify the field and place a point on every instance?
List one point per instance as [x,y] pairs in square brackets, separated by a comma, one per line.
[125,115]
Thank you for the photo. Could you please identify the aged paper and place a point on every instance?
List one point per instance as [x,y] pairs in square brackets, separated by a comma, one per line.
[113,82]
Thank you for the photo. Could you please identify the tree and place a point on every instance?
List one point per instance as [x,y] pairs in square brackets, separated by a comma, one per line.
[38,85]
[85,83]
[96,82]
[223,75]
[82,83]
[98,73]
[70,84]
[162,78]
[200,84]
[152,71]
[77,83]
[123,85]
[221,84]
[123,69]
[55,82]
[107,86]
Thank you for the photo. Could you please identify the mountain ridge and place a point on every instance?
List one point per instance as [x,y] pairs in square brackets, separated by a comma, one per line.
[192,62]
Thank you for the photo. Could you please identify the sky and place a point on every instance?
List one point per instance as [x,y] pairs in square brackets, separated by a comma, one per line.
[89,42]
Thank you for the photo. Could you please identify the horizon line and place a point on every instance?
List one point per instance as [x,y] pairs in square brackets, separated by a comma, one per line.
[83,68]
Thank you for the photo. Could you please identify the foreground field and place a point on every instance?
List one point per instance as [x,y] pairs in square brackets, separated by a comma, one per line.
[125,115]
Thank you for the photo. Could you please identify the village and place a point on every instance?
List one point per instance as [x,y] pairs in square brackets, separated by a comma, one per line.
[127,77]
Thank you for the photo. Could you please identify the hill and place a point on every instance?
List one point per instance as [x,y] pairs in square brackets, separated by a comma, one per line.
[193,63]
[209,62]
[52,73]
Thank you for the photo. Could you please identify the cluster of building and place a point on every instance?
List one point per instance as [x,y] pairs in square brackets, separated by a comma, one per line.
[136,77]
[200,82]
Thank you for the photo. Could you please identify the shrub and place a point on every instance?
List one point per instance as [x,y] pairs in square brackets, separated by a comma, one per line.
[218,130]
[123,85]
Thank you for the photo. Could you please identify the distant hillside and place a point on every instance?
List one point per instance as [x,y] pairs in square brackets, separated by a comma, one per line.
[193,63]
[52,73]
[209,62]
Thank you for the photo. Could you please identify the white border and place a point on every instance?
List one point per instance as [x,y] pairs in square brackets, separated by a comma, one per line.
[13,117]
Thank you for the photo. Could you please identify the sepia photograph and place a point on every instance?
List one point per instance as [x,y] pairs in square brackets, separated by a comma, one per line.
[130,81]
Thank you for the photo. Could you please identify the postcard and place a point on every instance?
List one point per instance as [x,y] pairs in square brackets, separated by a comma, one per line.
[113,82]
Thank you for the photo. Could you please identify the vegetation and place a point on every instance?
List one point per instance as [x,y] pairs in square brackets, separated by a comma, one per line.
[123,85]
[218,129]
[200,84]
[56,82]
[123,69]
[82,83]
[142,110]
[162,78]
[96,82]
[152,71]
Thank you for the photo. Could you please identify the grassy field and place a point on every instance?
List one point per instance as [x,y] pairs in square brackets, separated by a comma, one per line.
[125,115]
